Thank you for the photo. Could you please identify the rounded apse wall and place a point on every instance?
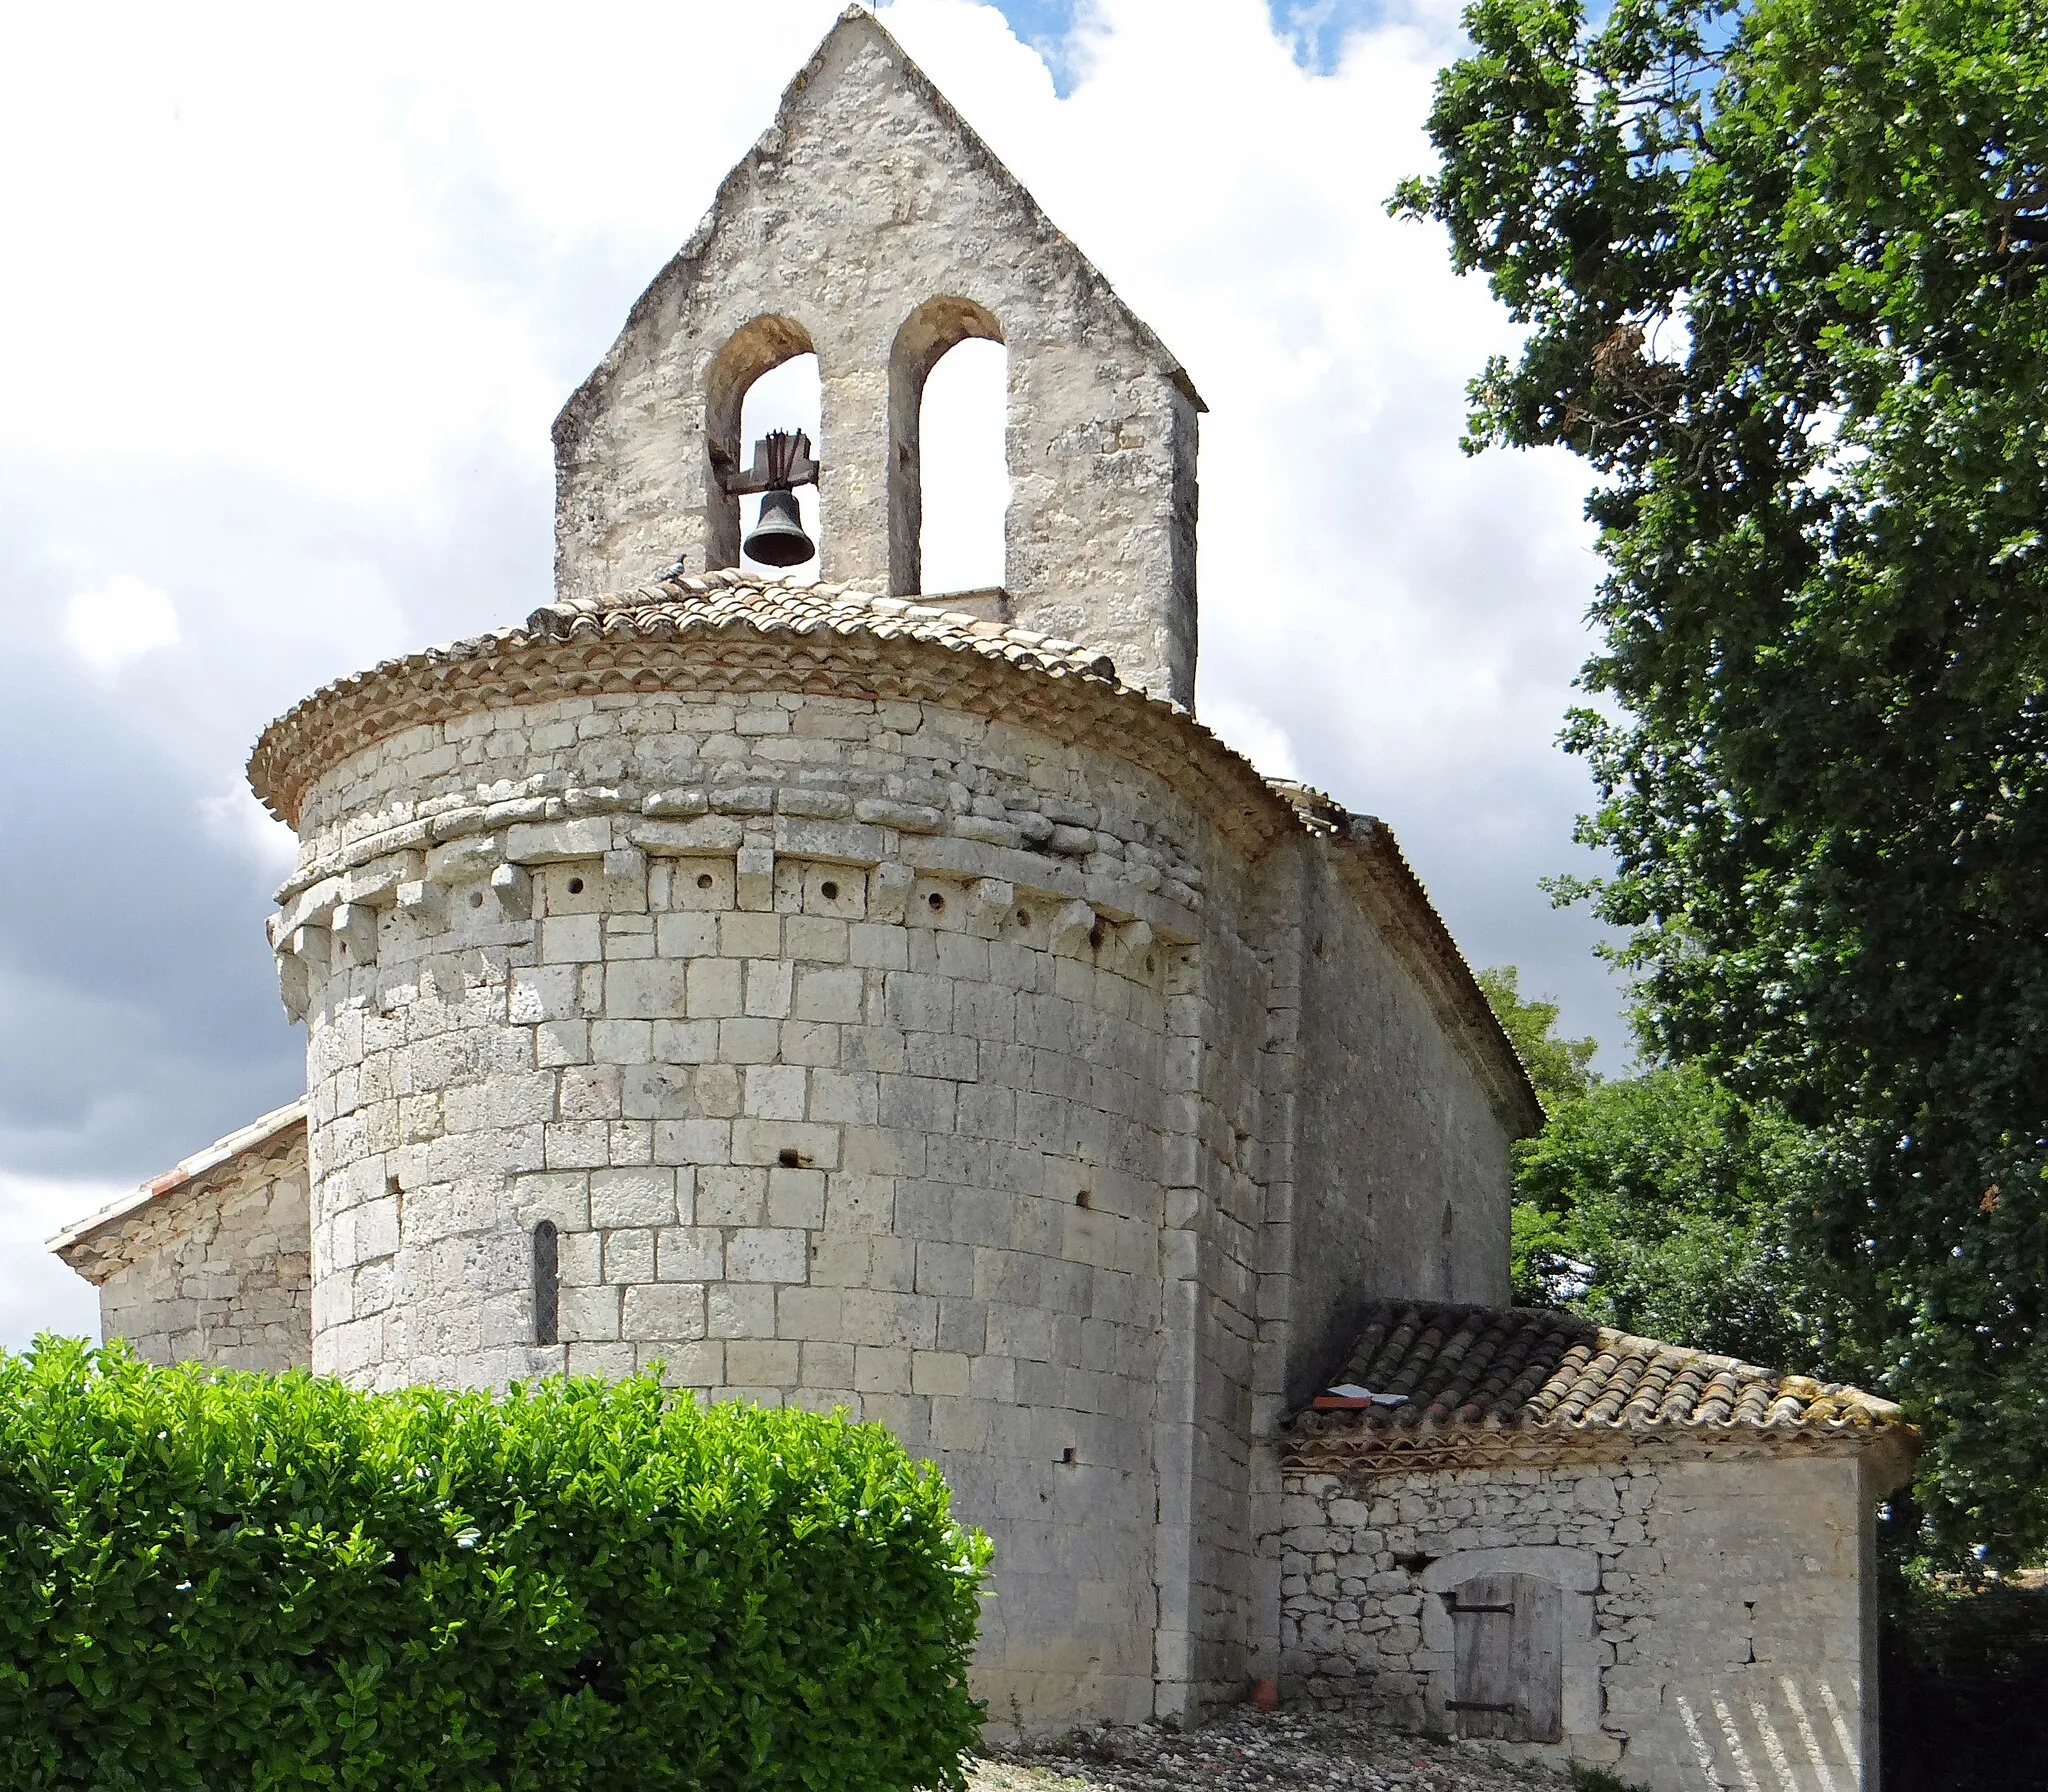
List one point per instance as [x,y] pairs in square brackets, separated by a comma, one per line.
[802,1106]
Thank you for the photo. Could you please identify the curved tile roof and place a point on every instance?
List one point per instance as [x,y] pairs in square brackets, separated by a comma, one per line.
[1495,1368]
[723,600]
[715,615]
[729,627]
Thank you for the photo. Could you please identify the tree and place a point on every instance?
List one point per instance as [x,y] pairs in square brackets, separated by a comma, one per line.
[1662,1203]
[1560,1068]
[1667,1205]
[1782,270]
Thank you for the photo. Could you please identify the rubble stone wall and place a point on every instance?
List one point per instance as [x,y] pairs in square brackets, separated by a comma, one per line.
[1718,1616]
[214,1271]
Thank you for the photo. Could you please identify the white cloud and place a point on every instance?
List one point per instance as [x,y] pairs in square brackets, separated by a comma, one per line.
[1255,734]
[239,822]
[38,1291]
[118,621]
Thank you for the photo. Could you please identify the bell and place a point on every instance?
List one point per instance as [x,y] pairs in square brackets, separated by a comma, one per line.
[778,538]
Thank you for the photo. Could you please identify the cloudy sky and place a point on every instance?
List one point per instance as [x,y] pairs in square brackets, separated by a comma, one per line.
[294,294]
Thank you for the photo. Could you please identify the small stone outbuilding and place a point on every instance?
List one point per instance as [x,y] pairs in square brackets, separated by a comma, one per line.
[210,1262]
[1584,1545]
[848,995]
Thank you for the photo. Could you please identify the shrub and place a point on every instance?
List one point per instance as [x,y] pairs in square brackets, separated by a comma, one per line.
[228,1581]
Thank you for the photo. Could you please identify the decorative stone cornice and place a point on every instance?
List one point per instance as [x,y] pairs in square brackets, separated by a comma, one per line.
[691,635]
[729,634]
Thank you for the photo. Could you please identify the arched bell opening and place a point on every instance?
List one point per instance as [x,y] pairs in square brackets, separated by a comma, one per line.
[965,481]
[786,399]
[965,417]
[764,378]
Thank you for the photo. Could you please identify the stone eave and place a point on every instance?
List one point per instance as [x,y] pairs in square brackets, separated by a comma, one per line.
[677,278]
[893,651]
[1891,1445]
[259,1137]
[620,654]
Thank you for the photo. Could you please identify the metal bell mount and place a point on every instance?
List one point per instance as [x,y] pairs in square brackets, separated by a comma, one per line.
[782,462]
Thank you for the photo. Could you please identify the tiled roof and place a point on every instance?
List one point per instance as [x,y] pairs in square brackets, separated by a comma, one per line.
[735,631]
[738,600]
[1494,1368]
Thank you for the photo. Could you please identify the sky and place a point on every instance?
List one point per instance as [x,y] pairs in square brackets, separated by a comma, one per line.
[294,295]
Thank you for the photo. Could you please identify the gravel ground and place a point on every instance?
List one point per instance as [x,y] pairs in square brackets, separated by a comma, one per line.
[1285,1751]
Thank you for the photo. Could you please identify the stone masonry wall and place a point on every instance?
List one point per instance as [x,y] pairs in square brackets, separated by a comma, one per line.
[865,1053]
[1400,1163]
[215,1271]
[1716,1627]
[826,1110]
[867,202]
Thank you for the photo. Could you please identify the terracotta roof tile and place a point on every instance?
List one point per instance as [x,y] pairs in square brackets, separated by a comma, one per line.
[1503,1368]
[729,599]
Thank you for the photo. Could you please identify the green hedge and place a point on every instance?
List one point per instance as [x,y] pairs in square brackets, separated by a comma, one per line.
[228,1581]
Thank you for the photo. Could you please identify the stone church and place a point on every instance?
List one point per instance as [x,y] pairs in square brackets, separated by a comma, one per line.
[852,996]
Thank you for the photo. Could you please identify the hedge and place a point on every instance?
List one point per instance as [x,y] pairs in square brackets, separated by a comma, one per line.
[228,1581]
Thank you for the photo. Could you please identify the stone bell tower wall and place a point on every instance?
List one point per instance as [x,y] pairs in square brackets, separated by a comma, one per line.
[865,1072]
[871,226]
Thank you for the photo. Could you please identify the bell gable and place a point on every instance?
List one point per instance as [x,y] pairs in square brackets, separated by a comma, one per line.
[871,227]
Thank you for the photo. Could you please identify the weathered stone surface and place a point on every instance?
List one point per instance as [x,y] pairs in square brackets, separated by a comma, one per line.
[1719,1610]
[1000,1166]
[872,227]
[209,1262]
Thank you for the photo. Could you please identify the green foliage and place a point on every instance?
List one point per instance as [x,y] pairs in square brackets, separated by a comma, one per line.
[1782,265]
[217,1582]
[1661,1204]
[1560,1068]
[1664,1205]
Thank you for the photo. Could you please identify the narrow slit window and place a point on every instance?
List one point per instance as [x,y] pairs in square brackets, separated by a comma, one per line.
[547,1284]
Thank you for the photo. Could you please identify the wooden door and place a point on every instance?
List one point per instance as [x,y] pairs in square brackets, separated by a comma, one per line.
[1509,1632]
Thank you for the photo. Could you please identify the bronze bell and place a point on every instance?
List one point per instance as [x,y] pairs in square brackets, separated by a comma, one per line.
[778,537]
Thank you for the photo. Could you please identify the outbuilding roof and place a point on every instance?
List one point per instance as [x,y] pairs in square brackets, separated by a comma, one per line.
[1442,1372]
[259,1136]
